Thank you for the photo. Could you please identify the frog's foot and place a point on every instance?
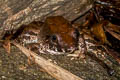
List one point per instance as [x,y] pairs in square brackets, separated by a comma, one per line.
[82,48]
[77,54]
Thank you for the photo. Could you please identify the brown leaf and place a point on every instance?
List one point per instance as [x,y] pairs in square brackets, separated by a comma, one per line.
[6,41]
[117,36]
[7,45]
[113,27]
[97,30]
[114,30]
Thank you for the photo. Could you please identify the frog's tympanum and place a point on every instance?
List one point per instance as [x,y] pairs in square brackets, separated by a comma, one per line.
[56,36]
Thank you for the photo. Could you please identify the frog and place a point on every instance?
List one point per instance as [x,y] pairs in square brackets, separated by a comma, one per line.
[55,35]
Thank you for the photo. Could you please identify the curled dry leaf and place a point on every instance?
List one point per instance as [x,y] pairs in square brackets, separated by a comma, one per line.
[114,30]
[97,30]
[114,27]
[117,36]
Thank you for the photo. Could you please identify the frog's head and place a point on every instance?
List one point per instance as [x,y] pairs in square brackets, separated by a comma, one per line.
[62,37]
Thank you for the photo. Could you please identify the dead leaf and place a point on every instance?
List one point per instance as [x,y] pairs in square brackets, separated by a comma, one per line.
[114,30]
[117,36]
[97,30]
[7,45]
[113,53]
[113,27]
[6,41]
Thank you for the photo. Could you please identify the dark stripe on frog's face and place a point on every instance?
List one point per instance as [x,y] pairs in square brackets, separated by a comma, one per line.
[62,34]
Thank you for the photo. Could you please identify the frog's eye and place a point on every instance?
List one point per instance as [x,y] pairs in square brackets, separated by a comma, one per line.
[53,38]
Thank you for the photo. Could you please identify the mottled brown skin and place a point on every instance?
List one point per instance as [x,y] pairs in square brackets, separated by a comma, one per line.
[61,29]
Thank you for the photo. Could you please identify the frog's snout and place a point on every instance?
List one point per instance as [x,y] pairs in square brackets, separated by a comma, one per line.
[69,45]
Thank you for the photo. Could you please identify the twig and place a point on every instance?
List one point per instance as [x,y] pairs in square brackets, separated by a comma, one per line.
[54,70]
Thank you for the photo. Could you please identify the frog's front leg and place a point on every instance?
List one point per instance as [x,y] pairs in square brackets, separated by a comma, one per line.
[82,48]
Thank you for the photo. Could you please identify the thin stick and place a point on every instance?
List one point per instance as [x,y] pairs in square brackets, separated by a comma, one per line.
[54,70]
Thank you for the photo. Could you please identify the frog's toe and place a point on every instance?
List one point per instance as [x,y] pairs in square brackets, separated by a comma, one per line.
[77,54]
